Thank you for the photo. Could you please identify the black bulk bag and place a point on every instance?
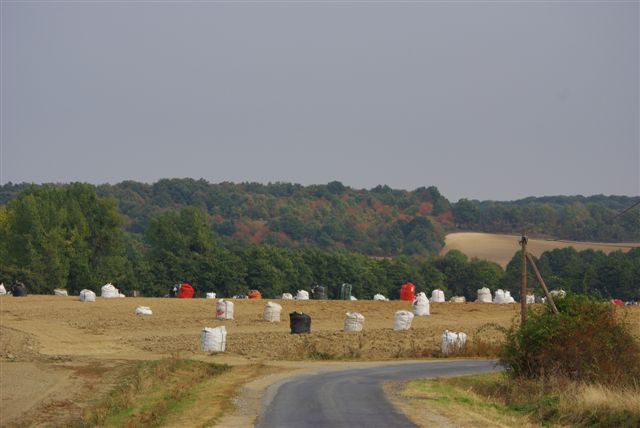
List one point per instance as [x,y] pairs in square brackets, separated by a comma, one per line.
[300,323]
[19,289]
[174,291]
[319,292]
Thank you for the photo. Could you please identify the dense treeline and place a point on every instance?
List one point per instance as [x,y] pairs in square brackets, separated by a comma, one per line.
[376,222]
[61,237]
[69,237]
[380,222]
[565,217]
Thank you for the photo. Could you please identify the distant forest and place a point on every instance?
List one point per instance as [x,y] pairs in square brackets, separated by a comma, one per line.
[378,222]
[282,237]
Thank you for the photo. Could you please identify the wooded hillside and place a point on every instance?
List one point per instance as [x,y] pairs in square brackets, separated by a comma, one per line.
[378,222]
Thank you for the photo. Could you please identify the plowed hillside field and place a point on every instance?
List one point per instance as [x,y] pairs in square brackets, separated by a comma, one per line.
[501,248]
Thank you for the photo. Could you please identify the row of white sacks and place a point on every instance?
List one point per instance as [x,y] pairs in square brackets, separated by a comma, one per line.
[484,295]
[502,296]
[302,295]
[57,291]
[108,291]
[214,339]
[420,304]
[272,311]
[353,321]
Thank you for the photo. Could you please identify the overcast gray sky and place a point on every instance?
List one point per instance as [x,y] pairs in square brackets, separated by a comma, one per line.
[487,100]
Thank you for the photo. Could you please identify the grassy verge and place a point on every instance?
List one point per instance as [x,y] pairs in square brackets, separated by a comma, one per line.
[150,392]
[495,400]
[437,402]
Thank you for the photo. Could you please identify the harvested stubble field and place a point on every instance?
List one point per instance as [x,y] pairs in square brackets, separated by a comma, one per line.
[109,328]
[59,346]
[499,248]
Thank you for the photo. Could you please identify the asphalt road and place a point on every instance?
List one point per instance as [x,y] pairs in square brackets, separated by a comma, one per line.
[354,397]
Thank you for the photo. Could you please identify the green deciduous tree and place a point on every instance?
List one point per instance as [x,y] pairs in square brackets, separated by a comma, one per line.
[66,237]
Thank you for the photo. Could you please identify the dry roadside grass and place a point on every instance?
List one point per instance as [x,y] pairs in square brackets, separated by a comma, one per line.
[601,399]
[496,400]
[213,398]
[172,392]
[429,403]
[500,248]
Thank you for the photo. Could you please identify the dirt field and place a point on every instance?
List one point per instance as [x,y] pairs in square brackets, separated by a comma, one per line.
[56,349]
[500,248]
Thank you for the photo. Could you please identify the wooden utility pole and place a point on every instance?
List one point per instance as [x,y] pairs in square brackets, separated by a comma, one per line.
[544,286]
[523,288]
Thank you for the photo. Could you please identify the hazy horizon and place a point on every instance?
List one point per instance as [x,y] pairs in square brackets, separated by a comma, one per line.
[316,184]
[484,100]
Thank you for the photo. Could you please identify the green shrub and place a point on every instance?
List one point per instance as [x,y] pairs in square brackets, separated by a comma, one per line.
[587,341]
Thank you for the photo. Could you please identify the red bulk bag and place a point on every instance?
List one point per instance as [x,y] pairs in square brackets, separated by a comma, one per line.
[254,294]
[185,292]
[407,292]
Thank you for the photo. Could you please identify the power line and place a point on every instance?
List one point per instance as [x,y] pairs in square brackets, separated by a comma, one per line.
[625,210]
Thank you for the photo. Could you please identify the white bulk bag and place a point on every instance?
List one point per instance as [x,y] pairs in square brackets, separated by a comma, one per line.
[499,296]
[437,295]
[287,296]
[379,297]
[458,299]
[353,321]
[508,298]
[272,312]
[352,298]
[121,295]
[213,339]
[60,292]
[224,310]
[143,310]
[3,290]
[402,320]
[531,299]
[420,305]
[484,295]
[452,342]
[87,296]
[558,294]
[302,295]
[109,291]
[211,295]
